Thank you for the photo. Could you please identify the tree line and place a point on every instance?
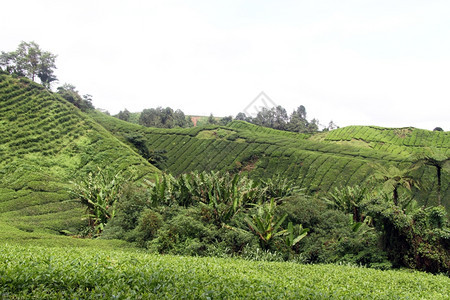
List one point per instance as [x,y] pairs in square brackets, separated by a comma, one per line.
[275,117]
[30,61]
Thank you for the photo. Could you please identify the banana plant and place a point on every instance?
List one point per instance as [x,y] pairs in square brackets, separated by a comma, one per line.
[349,200]
[99,192]
[290,240]
[265,224]
[161,190]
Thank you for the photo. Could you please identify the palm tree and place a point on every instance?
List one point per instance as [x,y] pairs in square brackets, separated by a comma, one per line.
[439,160]
[394,178]
[348,199]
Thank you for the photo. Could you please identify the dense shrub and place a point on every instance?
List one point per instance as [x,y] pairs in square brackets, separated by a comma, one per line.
[417,239]
[332,237]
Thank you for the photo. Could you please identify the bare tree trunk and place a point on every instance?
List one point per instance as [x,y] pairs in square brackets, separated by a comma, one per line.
[438,169]
[395,196]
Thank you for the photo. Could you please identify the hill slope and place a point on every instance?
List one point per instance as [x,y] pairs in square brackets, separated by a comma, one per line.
[318,163]
[45,143]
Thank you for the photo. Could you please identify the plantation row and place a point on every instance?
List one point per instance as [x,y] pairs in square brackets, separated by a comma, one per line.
[55,273]
[45,143]
[314,164]
[411,137]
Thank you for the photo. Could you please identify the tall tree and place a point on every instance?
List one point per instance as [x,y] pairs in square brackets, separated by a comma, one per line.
[242,117]
[46,69]
[180,119]
[211,119]
[265,117]
[225,120]
[30,61]
[69,92]
[298,122]
[393,178]
[313,126]
[123,115]
[280,118]
[150,118]
[439,160]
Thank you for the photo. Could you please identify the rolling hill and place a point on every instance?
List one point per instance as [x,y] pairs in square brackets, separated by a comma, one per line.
[316,162]
[46,142]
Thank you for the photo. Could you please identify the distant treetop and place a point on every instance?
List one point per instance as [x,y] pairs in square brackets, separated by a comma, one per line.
[30,61]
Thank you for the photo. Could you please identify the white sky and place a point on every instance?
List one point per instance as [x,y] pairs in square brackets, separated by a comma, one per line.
[360,62]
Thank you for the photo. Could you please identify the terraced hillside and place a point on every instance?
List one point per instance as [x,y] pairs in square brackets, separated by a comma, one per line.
[45,142]
[318,163]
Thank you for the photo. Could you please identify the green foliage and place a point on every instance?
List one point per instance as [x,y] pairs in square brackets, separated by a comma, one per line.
[265,224]
[124,115]
[155,157]
[99,192]
[149,224]
[164,118]
[279,186]
[331,237]
[29,60]
[393,178]
[349,199]
[317,163]
[45,144]
[439,160]
[211,120]
[294,235]
[225,194]
[92,273]
[69,92]
[418,239]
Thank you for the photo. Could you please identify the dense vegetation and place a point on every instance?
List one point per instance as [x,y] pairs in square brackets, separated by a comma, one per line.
[277,118]
[318,163]
[45,143]
[359,195]
[55,273]
[396,224]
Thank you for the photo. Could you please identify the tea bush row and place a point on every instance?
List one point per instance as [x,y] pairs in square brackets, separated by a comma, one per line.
[91,273]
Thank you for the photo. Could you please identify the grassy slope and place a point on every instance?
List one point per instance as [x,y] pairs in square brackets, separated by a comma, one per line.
[45,143]
[318,163]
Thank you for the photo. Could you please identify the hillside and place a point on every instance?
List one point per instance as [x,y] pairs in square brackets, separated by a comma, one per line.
[317,162]
[46,143]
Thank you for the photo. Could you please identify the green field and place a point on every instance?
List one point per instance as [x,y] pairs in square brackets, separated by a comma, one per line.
[91,273]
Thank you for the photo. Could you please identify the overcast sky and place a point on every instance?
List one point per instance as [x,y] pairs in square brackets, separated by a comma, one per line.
[360,62]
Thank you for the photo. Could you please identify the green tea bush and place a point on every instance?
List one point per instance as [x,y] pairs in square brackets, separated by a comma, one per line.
[91,273]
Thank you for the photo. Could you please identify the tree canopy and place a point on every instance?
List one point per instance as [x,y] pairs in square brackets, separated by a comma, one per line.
[164,118]
[31,61]
[70,93]
[277,118]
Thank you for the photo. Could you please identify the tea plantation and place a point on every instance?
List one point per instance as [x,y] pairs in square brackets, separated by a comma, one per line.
[318,163]
[45,144]
[92,273]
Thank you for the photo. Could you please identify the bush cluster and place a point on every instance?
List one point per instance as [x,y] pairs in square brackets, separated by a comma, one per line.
[212,214]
